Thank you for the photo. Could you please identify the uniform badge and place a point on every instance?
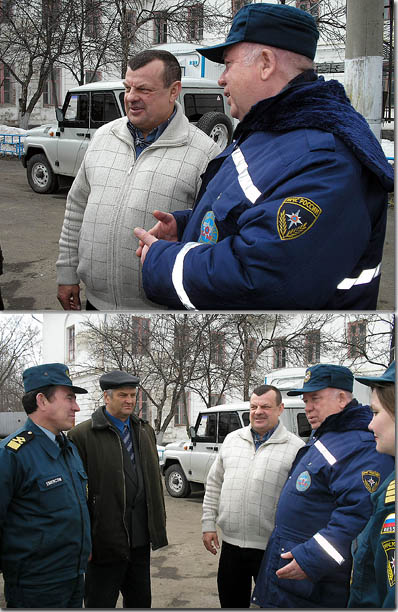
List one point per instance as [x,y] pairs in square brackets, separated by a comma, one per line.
[208,229]
[389,524]
[371,480]
[307,376]
[303,481]
[389,549]
[296,216]
[16,443]
[390,493]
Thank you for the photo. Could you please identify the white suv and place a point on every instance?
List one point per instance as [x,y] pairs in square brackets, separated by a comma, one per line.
[53,152]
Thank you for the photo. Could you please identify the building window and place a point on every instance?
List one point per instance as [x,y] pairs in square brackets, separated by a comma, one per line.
[93,18]
[5,85]
[159,28]
[238,4]
[311,6]
[52,88]
[140,335]
[131,24]
[180,418]
[195,22]
[217,348]
[71,343]
[6,7]
[356,338]
[143,405]
[92,76]
[252,350]
[216,399]
[182,340]
[279,360]
[313,346]
[50,12]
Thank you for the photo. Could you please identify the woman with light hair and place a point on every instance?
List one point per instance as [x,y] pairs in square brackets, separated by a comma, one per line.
[373,579]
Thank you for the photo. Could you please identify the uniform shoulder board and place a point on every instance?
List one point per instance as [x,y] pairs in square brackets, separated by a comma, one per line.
[390,493]
[23,438]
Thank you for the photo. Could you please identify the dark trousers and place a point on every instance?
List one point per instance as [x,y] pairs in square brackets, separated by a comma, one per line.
[131,578]
[66,594]
[236,569]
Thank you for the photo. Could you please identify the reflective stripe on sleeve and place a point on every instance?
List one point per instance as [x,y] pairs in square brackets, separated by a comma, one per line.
[178,273]
[324,451]
[327,547]
[244,178]
[364,278]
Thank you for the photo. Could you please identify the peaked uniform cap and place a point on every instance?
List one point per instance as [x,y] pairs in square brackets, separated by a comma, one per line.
[324,375]
[277,25]
[48,374]
[388,378]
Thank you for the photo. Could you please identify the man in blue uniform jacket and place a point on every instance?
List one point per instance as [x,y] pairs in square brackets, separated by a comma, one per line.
[44,522]
[325,502]
[292,214]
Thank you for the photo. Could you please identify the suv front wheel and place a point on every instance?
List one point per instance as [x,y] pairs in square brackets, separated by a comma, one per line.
[40,175]
[218,126]
[176,483]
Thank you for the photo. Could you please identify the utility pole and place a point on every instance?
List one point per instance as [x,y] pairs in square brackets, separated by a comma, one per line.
[364,59]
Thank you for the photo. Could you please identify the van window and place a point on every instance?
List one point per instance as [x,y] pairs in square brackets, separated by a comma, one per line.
[303,426]
[198,104]
[246,418]
[104,108]
[206,428]
[227,422]
[76,110]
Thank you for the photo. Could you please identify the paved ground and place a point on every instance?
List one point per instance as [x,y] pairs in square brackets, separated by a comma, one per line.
[29,232]
[183,573]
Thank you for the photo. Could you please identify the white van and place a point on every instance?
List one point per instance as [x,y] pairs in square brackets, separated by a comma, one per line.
[53,152]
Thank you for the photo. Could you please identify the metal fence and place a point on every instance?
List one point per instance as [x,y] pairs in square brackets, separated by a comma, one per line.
[11,144]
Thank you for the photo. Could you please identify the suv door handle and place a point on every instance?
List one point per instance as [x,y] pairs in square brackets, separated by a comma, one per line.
[212,448]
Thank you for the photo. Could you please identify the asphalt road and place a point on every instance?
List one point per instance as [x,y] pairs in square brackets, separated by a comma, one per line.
[183,573]
[29,232]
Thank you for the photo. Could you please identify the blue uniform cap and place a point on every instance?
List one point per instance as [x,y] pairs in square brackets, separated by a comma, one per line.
[48,374]
[324,375]
[388,378]
[277,25]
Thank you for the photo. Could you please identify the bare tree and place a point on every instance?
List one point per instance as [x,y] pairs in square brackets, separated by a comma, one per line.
[18,337]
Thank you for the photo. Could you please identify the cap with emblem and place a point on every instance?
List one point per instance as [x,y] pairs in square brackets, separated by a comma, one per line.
[388,378]
[48,374]
[117,378]
[277,25]
[324,375]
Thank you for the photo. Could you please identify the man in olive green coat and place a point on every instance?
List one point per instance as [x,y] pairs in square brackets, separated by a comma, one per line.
[125,496]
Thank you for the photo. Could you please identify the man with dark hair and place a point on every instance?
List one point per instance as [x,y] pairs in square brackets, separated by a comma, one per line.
[44,522]
[291,215]
[325,502]
[125,496]
[153,157]
[242,490]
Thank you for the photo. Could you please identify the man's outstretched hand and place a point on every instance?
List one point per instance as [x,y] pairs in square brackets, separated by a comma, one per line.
[165,229]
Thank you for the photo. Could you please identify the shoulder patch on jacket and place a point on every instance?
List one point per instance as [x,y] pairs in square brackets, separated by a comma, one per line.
[296,215]
[388,524]
[390,493]
[371,480]
[389,549]
[18,441]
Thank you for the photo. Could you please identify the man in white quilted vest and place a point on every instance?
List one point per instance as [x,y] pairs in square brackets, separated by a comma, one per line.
[242,493]
[151,159]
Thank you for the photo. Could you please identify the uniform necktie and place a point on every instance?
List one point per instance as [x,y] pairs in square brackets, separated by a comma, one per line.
[128,442]
[61,442]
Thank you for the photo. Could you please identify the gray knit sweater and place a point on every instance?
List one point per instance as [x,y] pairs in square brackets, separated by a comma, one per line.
[113,193]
